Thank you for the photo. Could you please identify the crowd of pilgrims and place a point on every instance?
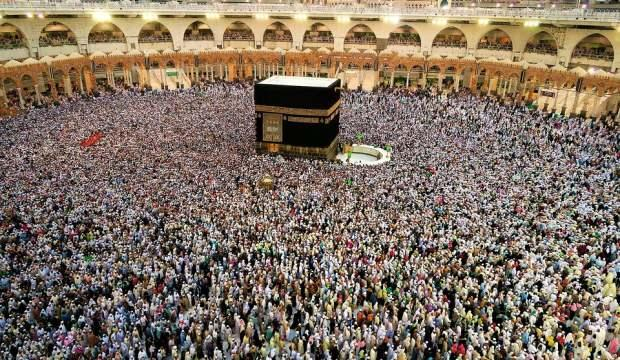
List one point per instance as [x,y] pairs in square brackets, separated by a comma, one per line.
[492,233]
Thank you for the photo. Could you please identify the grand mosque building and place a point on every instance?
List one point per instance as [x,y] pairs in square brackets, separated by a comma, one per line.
[560,57]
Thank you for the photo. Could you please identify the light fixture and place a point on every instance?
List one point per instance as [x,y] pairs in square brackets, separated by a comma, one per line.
[261,16]
[393,19]
[511,5]
[40,15]
[212,16]
[301,17]
[343,18]
[439,21]
[150,16]
[101,16]
[531,23]
[29,15]
[538,5]
[584,6]
[553,6]
[483,21]
[591,70]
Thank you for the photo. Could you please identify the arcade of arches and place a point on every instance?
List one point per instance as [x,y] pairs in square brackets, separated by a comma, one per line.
[497,62]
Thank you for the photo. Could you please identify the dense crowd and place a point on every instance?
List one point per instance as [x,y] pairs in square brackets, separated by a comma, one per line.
[491,234]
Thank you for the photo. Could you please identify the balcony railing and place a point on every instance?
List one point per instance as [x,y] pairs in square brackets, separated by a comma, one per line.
[8,44]
[448,44]
[277,37]
[238,36]
[593,55]
[56,41]
[498,47]
[73,7]
[361,41]
[544,50]
[103,38]
[319,39]
[198,37]
[404,41]
[155,39]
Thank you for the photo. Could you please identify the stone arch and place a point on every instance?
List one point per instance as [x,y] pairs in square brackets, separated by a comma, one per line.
[10,86]
[154,32]
[238,30]
[404,35]
[495,39]
[56,34]
[12,37]
[604,49]
[542,43]
[106,32]
[277,32]
[360,34]
[198,31]
[319,33]
[450,37]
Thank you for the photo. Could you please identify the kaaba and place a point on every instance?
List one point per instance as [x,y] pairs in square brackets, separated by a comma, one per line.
[298,116]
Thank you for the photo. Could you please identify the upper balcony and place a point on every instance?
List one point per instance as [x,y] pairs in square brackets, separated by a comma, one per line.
[574,15]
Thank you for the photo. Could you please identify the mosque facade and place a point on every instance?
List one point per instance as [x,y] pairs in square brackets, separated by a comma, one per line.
[563,61]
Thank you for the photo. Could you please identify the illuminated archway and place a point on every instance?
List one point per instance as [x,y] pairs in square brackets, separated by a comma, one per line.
[277,32]
[11,37]
[198,31]
[404,35]
[154,32]
[495,40]
[360,35]
[56,34]
[106,33]
[320,35]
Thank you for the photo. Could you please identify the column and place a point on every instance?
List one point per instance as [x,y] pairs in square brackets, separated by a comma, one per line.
[457,82]
[407,81]
[524,91]
[68,87]
[392,79]
[37,93]
[81,81]
[53,89]
[555,100]
[22,103]
[359,77]
[5,99]
[255,68]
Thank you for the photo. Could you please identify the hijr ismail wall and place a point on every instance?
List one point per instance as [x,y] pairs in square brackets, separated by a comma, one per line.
[562,61]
